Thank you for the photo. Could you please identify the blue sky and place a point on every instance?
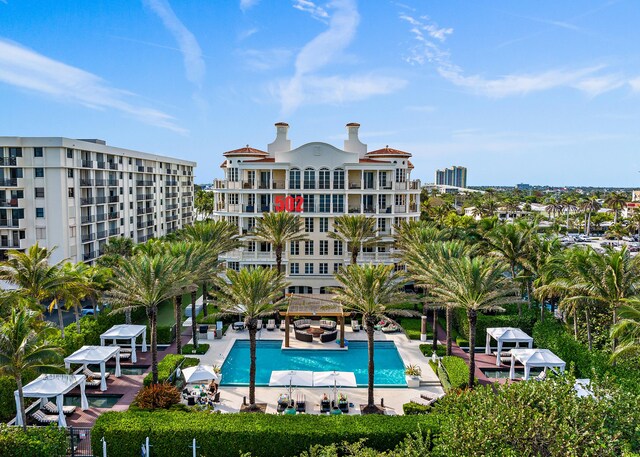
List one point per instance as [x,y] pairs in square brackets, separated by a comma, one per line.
[543,92]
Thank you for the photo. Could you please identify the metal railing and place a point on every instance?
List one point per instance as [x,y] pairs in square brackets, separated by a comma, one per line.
[86,163]
[4,161]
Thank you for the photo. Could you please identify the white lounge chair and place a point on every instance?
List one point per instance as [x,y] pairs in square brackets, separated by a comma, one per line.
[282,326]
[542,376]
[355,325]
[271,324]
[43,418]
[92,382]
[52,408]
[92,374]
[259,324]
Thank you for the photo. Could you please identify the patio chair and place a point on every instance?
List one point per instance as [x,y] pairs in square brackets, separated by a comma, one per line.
[542,376]
[43,418]
[325,405]
[282,326]
[303,336]
[327,324]
[125,355]
[52,408]
[301,405]
[355,326]
[259,324]
[271,325]
[391,328]
[92,382]
[329,336]
[91,374]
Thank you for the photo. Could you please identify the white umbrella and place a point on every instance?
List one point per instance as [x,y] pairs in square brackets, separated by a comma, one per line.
[291,378]
[335,379]
[199,373]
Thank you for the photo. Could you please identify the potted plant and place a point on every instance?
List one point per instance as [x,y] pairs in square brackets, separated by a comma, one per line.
[217,370]
[412,375]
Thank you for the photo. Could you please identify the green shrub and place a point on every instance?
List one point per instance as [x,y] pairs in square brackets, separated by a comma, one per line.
[7,401]
[202,348]
[263,435]
[168,365]
[48,441]
[427,350]
[415,408]
[455,374]
[166,333]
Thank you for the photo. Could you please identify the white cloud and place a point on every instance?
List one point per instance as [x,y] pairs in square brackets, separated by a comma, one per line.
[191,52]
[635,84]
[600,84]
[248,4]
[318,12]
[268,59]
[26,69]
[244,34]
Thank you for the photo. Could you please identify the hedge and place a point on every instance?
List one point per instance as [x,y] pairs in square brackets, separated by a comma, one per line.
[427,350]
[455,374]
[263,435]
[166,333]
[412,409]
[167,366]
[48,441]
[202,348]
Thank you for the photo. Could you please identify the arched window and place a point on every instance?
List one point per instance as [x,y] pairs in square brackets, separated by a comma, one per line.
[294,178]
[324,179]
[338,178]
[309,178]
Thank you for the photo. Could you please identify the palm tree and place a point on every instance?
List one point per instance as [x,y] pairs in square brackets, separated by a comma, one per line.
[24,347]
[97,281]
[627,330]
[634,221]
[115,249]
[372,291]
[145,281]
[204,203]
[569,204]
[356,231]
[252,293]
[617,231]
[475,284]
[70,292]
[616,201]
[589,205]
[279,229]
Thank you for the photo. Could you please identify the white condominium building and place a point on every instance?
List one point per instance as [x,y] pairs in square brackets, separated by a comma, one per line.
[320,182]
[76,194]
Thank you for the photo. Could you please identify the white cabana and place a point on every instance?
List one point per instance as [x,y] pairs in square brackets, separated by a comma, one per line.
[95,355]
[539,358]
[199,373]
[291,378]
[126,332]
[506,335]
[46,386]
[335,379]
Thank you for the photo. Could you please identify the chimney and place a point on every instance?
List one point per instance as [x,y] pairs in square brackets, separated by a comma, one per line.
[281,143]
[353,143]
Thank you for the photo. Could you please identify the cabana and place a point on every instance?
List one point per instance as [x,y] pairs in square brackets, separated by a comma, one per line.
[540,358]
[126,332]
[46,386]
[506,335]
[95,355]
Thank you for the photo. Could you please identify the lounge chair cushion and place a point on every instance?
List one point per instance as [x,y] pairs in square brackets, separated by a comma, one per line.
[304,336]
[44,418]
[328,336]
[92,374]
[52,408]
[327,325]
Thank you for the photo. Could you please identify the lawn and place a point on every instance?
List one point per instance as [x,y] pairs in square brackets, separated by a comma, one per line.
[165,310]
[412,327]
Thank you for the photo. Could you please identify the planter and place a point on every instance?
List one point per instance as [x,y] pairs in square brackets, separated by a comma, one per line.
[412,381]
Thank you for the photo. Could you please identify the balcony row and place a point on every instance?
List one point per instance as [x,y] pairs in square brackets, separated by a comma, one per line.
[391,209]
[99,200]
[280,185]
[240,255]
[85,163]
[87,182]
[86,237]
[98,217]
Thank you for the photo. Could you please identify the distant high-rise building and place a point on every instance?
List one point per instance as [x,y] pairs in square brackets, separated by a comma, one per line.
[454,176]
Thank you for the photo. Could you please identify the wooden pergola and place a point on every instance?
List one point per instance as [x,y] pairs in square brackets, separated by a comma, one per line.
[313,305]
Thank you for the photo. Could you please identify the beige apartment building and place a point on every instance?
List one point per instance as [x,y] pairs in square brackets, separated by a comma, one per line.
[319,182]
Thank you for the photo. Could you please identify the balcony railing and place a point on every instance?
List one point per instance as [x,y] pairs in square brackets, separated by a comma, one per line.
[112,215]
[87,219]
[144,182]
[87,201]
[102,234]
[189,214]
[89,255]
[9,244]
[100,200]
[88,237]
[113,166]
[144,210]
[171,218]
[140,168]
[7,161]
[12,203]
[113,199]
[172,206]
[86,182]
[171,194]
[86,163]
[185,204]
[9,222]
[114,232]
[171,182]
[102,164]
[101,217]
[144,197]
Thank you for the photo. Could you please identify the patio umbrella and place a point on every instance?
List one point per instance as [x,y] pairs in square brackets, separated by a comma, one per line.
[199,373]
[334,378]
[291,378]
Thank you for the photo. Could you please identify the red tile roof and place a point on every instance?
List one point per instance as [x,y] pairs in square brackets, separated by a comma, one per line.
[223,164]
[387,151]
[410,164]
[265,159]
[370,161]
[244,151]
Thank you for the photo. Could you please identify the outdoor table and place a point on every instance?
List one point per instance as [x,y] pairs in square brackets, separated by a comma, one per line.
[314,331]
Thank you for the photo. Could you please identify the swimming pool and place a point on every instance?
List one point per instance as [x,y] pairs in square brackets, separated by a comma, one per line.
[389,368]
[95,401]
[503,373]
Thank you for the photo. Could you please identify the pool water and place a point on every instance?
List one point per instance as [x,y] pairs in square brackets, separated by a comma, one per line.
[95,401]
[389,368]
[503,373]
[134,370]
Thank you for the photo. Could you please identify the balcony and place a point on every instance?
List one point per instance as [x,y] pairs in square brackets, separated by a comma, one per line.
[9,182]
[86,182]
[87,201]
[102,234]
[172,206]
[88,237]
[144,182]
[144,197]
[186,194]
[220,184]
[140,168]
[101,200]
[12,203]
[101,217]
[101,182]
[9,222]
[113,166]
[89,255]
[86,163]
[143,238]
[171,182]
[241,255]
[112,182]
[381,257]
[10,244]
[7,161]
[189,214]
[102,164]
[171,194]
[171,218]
[87,219]
[144,210]
[414,185]
[149,223]
[355,185]
[113,199]
[114,232]
[149,169]
[112,215]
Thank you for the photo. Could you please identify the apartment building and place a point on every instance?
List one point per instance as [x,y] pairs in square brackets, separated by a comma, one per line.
[76,194]
[319,182]
[455,176]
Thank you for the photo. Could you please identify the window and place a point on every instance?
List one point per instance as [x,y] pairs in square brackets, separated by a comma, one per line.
[382,225]
[233,199]
[401,175]
[234,266]
[294,179]
[337,247]
[338,203]
[308,224]
[336,267]
[323,269]
[39,172]
[251,246]
[39,192]
[39,212]
[308,268]
[325,204]
[382,202]
[309,203]
[400,200]
[294,268]
[15,152]
[233,174]
[308,247]
[309,178]
[38,152]
[41,233]
[324,247]
[295,248]
[69,153]
[71,192]
[324,224]
[324,179]
[338,178]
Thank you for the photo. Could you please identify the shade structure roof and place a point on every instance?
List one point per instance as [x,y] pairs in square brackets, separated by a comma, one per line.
[313,305]
[537,358]
[199,373]
[509,334]
[331,378]
[124,331]
[92,354]
[291,377]
[52,385]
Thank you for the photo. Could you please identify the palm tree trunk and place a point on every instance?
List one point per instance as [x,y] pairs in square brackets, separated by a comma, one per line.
[354,256]
[76,314]
[435,329]
[94,305]
[279,258]
[127,316]
[205,312]
[513,278]
[449,323]
[472,315]
[529,293]
[153,320]
[252,367]
[177,313]
[21,397]
[575,325]
[60,320]
[614,341]
[542,306]
[371,367]
[193,320]
[588,322]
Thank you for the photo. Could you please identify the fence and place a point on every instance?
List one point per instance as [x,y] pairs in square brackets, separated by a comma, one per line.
[145,448]
[79,442]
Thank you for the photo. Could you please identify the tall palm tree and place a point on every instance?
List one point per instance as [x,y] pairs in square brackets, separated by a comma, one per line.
[24,347]
[115,249]
[252,293]
[72,289]
[97,281]
[634,221]
[616,201]
[279,229]
[145,281]
[356,231]
[474,284]
[627,330]
[589,205]
[372,291]
[617,231]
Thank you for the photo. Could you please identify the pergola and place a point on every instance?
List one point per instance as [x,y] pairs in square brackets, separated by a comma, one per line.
[126,332]
[95,355]
[53,385]
[313,305]
[506,335]
[541,358]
